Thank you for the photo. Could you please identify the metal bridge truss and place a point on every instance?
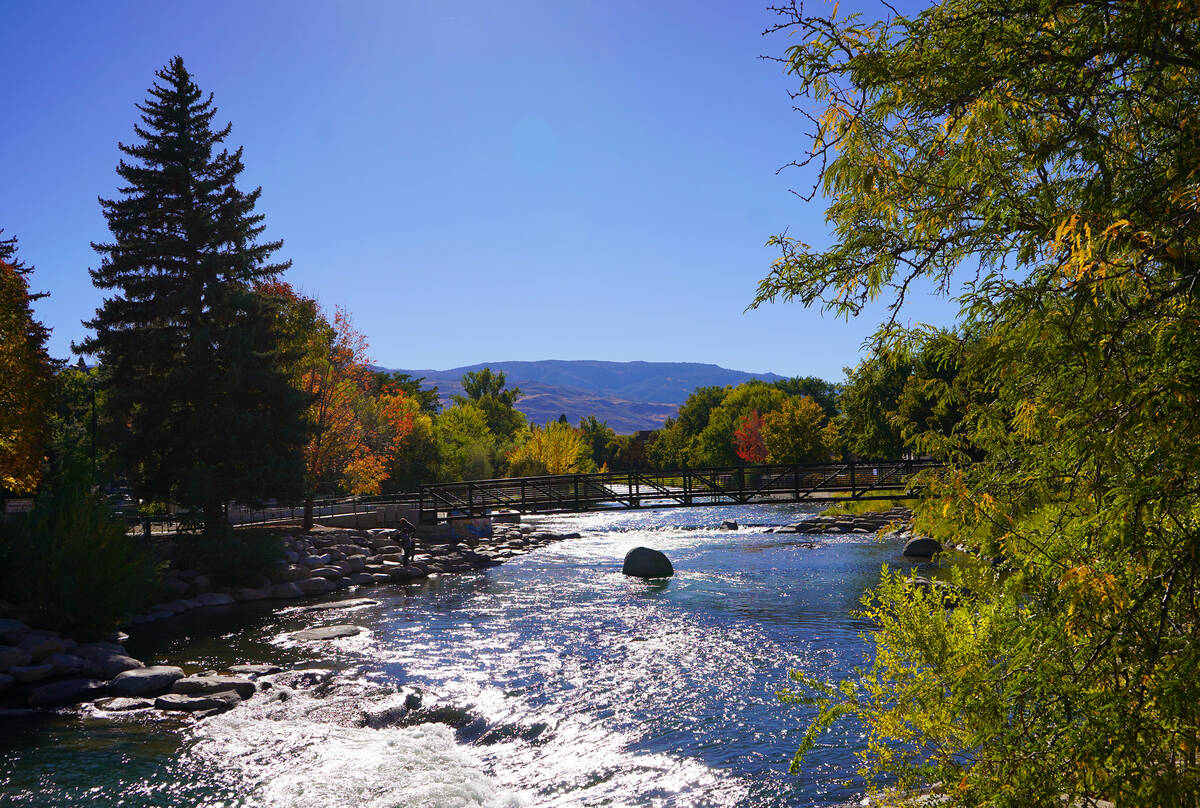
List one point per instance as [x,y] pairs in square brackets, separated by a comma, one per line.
[737,485]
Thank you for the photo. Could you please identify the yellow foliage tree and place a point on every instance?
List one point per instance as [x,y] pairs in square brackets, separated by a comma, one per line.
[556,449]
[798,432]
[25,380]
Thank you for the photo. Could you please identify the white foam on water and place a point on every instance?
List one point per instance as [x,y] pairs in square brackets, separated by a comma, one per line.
[297,763]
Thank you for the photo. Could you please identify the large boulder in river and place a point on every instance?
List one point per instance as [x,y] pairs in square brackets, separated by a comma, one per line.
[922,547]
[68,691]
[642,562]
[207,685]
[151,681]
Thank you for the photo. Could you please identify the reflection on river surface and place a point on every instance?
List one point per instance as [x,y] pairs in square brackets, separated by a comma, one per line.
[552,680]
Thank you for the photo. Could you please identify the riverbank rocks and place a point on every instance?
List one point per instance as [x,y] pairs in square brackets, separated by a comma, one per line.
[12,631]
[849,523]
[922,547]
[48,670]
[151,681]
[205,685]
[214,599]
[211,703]
[286,591]
[314,586]
[122,704]
[28,674]
[103,660]
[328,632]
[264,669]
[12,657]
[67,691]
[642,562]
[352,603]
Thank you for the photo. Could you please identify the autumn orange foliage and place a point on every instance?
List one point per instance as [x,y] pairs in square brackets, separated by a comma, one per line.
[354,432]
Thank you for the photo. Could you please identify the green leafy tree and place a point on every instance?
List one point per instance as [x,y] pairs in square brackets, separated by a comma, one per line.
[798,432]
[486,390]
[466,446]
[868,405]
[823,392]
[195,379]
[603,443]
[716,444]
[1053,146]
[669,447]
[696,410]
[79,429]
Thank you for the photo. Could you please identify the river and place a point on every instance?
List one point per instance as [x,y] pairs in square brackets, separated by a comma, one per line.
[552,680]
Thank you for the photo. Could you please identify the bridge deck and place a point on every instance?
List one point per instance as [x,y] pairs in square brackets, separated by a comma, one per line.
[738,485]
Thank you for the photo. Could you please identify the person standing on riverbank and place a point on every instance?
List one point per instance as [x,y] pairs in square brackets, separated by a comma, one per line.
[408,540]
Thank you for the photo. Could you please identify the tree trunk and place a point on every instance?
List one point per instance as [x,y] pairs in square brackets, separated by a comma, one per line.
[308,513]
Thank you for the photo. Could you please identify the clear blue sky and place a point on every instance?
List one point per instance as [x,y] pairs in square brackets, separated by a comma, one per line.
[473,181]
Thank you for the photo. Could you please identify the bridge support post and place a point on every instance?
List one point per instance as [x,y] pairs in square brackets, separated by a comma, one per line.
[853,492]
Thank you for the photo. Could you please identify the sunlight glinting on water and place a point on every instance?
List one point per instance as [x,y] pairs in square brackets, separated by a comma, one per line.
[553,680]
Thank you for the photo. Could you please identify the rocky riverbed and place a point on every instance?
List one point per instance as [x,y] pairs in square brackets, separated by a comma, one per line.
[44,670]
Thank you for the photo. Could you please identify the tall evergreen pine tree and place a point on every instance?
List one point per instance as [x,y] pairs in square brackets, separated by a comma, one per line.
[196,382]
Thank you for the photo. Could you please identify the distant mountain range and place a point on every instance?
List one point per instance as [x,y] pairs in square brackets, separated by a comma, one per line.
[628,395]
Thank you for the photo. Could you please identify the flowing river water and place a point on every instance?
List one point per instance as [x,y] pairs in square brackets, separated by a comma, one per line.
[552,680]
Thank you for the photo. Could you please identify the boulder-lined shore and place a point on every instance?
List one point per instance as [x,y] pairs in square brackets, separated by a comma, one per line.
[898,518]
[44,670]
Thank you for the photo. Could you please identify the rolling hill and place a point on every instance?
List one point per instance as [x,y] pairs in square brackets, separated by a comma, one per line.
[628,395]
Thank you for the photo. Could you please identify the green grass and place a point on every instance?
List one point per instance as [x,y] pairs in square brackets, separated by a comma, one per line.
[854,507]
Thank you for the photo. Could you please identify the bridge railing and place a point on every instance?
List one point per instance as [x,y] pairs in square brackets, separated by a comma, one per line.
[673,488]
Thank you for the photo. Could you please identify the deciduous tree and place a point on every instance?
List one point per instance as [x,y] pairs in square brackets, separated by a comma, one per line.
[356,428]
[558,448]
[1041,160]
[748,439]
[798,432]
[25,379]
[466,447]
[486,390]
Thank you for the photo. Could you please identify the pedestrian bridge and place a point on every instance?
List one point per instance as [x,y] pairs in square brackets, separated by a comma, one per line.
[685,488]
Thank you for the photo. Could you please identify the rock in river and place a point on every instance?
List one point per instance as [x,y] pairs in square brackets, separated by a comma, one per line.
[922,547]
[68,691]
[204,685]
[327,633]
[220,701]
[145,681]
[642,562]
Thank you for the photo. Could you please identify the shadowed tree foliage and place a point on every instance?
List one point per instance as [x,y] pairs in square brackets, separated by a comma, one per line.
[1042,161]
[823,392]
[205,412]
